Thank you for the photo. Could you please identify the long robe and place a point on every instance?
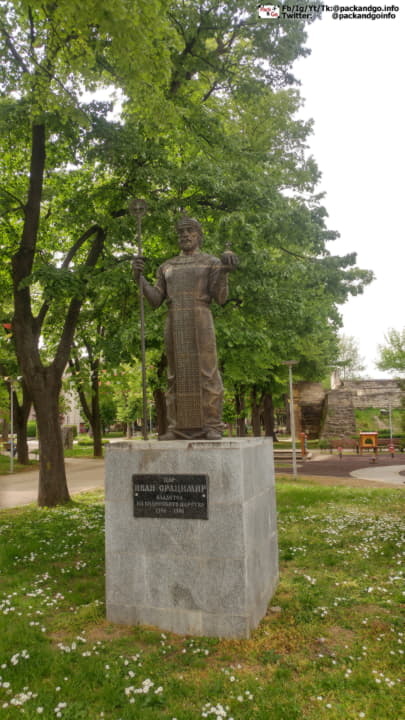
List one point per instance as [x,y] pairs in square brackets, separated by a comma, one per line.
[194,398]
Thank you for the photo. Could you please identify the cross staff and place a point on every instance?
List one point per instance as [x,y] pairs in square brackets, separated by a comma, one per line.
[138,208]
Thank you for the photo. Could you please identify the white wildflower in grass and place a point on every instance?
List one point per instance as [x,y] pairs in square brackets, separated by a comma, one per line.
[144,689]
[58,710]
[22,697]
[217,710]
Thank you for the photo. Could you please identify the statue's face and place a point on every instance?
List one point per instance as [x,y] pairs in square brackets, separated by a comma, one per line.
[189,239]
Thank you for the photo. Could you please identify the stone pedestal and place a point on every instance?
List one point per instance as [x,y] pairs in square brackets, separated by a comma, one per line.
[211,576]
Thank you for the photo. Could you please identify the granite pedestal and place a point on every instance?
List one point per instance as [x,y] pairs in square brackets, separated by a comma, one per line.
[211,576]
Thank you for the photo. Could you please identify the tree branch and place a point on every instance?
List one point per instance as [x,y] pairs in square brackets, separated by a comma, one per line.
[23,259]
[32,27]
[296,255]
[16,55]
[74,365]
[210,91]
[78,244]
[72,316]
[39,320]
[13,197]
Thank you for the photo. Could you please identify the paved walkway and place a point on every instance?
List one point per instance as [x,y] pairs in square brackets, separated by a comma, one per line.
[386,470]
[22,488]
[393,474]
[88,473]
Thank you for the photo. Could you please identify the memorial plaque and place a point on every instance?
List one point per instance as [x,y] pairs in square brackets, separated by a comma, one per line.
[171,496]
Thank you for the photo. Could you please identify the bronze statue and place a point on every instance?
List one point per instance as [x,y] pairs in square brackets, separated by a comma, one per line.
[188,283]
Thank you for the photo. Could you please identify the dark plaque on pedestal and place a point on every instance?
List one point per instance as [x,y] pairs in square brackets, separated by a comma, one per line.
[171,496]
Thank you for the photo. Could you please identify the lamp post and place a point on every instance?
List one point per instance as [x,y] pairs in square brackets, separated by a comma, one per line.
[390,420]
[290,364]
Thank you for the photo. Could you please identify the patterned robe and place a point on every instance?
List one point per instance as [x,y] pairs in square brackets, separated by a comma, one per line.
[188,283]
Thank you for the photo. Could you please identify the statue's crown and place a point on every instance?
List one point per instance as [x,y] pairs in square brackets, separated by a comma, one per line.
[186,221]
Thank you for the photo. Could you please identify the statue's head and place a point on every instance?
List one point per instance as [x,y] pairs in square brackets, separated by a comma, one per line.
[190,224]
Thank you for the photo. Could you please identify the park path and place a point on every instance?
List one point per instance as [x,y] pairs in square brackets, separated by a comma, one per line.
[22,488]
[393,474]
[88,473]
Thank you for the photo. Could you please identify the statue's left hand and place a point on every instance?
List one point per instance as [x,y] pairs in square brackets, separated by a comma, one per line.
[229,261]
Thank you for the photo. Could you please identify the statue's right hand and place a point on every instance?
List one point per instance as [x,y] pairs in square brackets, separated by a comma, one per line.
[138,265]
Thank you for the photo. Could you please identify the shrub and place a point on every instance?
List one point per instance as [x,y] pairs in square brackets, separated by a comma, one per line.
[73,428]
[31,428]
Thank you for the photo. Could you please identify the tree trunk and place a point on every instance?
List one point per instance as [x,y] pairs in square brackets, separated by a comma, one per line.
[44,383]
[21,414]
[161,411]
[52,477]
[95,410]
[22,439]
[256,410]
[160,398]
[268,415]
[287,414]
[91,413]
[240,414]
[5,430]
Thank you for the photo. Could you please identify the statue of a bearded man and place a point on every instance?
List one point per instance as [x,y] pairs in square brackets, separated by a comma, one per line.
[188,283]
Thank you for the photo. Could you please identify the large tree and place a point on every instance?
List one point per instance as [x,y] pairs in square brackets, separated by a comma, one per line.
[49,54]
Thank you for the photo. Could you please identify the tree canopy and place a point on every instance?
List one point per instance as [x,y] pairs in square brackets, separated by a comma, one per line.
[208,126]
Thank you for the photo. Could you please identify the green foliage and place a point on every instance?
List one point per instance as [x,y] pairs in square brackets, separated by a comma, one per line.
[349,362]
[126,384]
[208,126]
[374,420]
[392,354]
[32,428]
[73,428]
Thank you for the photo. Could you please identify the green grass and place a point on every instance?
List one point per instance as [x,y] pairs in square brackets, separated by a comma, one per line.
[79,451]
[330,647]
[372,419]
[5,465]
